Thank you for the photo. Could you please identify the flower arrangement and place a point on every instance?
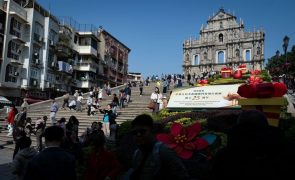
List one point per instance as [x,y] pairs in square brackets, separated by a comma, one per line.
[184,140]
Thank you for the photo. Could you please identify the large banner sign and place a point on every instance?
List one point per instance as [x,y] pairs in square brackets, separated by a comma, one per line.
[217,96]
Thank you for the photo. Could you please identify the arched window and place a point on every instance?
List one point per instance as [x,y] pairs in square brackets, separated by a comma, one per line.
[220,57]
[220,37]
[237,53]
[197,59]
[248,55]
[205,56]
[258,50]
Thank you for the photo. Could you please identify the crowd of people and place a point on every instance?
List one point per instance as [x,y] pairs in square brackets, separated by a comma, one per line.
[254,150]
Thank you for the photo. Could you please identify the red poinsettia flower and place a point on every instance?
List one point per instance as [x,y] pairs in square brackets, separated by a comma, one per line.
[184,140]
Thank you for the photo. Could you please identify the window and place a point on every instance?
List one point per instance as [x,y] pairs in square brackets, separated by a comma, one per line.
[196,60]
[75,39]
[220,37]
[93,43]
[50,78]
[205,56]
[220,57]
[34,74]
[15,27]
[38,29]
[221,25]
[51,59]
[247,55]
[36,54]
[9,74]
[258,50]
[13,50]
[52,35]
[237,53]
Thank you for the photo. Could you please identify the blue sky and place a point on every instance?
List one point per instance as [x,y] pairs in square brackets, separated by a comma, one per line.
[154,30]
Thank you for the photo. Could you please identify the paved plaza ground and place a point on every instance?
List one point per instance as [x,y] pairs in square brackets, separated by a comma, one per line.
[5,160]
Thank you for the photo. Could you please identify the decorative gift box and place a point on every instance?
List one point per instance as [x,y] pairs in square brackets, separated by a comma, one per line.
[226,72]
[271,107]
[242,68]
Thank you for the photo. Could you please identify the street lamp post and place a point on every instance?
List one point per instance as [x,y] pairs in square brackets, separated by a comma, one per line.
[285,47]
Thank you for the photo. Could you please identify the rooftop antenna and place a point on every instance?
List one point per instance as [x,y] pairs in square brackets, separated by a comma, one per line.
[49,7]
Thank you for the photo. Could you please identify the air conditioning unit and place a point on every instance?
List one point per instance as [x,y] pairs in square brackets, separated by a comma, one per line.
[40,39]
[37,61]
[16,73]
[35,82]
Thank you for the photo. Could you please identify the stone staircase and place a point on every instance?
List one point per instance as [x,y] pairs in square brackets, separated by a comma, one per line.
[138,105]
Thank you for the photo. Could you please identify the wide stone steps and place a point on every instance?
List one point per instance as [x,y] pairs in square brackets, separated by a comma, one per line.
[138,105]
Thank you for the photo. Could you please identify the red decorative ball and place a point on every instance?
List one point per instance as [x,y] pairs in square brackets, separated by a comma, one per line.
[265,90]
[237,74]
[280,89]
[247,91]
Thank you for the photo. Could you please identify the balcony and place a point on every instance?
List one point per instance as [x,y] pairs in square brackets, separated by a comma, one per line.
[39,39]
[16,62]
[65,32]
[85,66]
[18,39]
[65,67]
[18,11]
[87,50]
[63,50]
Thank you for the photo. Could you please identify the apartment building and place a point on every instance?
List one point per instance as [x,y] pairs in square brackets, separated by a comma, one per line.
[114,55]
[43,56]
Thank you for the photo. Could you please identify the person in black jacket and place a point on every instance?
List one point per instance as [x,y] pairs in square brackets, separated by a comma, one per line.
[53,162]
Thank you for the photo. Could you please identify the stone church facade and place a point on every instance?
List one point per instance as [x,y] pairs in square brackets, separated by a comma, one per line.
[223,42]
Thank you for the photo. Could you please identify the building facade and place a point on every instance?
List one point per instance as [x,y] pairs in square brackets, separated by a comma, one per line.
[223,42]
[114,55]
[42,56]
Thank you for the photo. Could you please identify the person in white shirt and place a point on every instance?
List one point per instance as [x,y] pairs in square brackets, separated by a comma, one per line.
[72,105]
[79,103]
[156,98]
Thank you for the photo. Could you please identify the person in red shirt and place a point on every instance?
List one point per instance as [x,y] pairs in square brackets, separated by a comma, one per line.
[10,119]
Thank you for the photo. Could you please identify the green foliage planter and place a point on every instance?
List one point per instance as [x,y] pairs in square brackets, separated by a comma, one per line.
[227,81]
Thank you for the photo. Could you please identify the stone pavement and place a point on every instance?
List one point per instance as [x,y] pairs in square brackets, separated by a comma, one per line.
[5,160]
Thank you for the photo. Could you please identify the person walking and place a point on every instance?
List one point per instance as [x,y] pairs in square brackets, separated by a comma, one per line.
[66,98]
[53,111]
[10,119]
[156,98]
[140,87]
[165,85]
[79,103]
[89,104]
[40,127]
